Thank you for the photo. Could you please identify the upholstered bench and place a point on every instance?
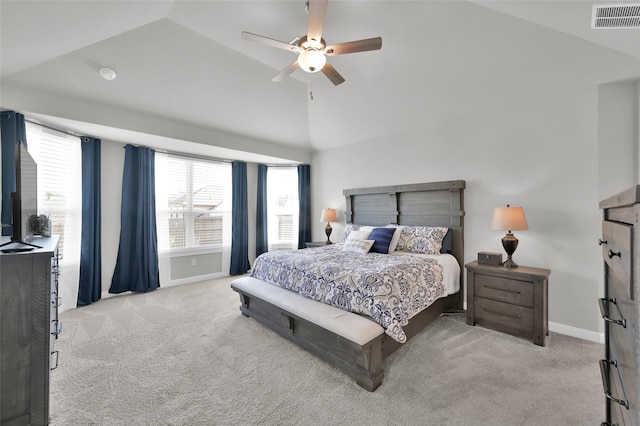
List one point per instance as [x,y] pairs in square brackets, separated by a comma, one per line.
[323,329]
[351,326]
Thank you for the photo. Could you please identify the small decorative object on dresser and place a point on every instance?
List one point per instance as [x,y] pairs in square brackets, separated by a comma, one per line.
[488,258]
[509,219]
[328,215]
[514,301]
[620,308]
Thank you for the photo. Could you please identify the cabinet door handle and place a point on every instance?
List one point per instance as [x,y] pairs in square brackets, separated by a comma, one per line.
[605,368]
[601,242]
[612,253]
[604,311]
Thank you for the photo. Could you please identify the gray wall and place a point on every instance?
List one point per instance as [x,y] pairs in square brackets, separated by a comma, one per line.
[542,154]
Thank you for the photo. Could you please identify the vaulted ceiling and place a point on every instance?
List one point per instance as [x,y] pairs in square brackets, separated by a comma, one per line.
[186,77]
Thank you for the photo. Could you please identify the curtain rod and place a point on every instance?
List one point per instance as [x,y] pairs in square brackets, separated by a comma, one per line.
[66,132]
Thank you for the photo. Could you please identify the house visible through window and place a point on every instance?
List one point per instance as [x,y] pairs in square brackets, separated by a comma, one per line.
[193,202]
[282,208]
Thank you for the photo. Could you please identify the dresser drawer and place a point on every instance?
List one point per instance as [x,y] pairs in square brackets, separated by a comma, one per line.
[504,290]
[505,317]
[617,253]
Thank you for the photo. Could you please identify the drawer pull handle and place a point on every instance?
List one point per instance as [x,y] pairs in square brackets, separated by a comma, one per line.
[57,355]
[612,253]
[501,313]
[601,242]
[604,311]
[605,368]
[506,290]
[58,326]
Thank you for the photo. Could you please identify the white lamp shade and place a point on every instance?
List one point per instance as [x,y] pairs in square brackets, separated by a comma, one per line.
[311,60]
[328,215]
[509,219]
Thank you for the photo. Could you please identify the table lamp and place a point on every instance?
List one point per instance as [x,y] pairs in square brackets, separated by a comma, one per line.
[509,219]
[328,215]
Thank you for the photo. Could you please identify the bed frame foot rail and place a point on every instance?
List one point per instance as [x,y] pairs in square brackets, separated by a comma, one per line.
[362,362]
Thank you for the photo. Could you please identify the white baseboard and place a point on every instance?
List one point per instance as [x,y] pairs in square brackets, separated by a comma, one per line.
[580,333]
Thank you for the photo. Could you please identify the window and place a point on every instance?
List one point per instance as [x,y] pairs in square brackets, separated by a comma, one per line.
[193,200]
[59,159]
[282,208]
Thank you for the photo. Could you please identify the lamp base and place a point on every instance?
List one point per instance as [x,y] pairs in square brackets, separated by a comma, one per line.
[327,230]
[509,263]
[510,243]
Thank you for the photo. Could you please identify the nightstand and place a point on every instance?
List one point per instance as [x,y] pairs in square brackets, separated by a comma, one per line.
[311,244]
[511,300]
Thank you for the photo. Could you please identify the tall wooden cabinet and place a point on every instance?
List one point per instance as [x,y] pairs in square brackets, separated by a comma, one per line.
[28,329]
[620,368]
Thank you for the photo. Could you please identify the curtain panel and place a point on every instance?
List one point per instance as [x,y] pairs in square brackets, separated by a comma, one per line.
[240,220]
[137,263]
[12,126]
[262,231]
[90,286]
[304,201]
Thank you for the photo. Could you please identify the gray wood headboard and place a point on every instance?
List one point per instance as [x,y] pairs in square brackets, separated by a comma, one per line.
[420,204]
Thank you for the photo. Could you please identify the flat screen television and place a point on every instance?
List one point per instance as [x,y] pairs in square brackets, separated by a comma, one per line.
[24,201]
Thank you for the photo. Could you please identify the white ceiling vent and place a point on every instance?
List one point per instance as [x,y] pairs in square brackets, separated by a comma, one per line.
[616,16]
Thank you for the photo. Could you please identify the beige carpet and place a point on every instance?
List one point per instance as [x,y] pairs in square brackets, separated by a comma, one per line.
[186,356]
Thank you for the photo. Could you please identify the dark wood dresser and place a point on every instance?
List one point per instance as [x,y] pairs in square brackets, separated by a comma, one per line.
[512,300]
[619,307]
[29,327]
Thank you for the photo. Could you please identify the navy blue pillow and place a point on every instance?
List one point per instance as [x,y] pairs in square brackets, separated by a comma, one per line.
[447,242]
[382,237]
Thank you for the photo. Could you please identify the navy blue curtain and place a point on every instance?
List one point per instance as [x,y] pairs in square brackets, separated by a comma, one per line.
[240,220]
[13,130]
[137,263]
[262,235]
[90,286]
[304,201]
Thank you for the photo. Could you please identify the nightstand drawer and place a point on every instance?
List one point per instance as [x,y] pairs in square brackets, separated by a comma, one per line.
[504,290]
[501,316]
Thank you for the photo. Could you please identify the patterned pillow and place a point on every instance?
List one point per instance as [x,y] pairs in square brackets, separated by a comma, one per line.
[422,239]
[358,246]
[347,230]
[382,237]
[359,235]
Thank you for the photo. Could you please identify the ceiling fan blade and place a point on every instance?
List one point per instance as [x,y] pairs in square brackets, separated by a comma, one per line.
[286,72]
[354,46]
[317,10]
[270,42]
[332,74]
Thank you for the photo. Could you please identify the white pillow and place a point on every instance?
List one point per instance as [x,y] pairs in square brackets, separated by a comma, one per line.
[358,246]
[396,237]
[358,235]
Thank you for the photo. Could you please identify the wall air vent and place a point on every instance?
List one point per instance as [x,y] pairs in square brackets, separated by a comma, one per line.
[616,16]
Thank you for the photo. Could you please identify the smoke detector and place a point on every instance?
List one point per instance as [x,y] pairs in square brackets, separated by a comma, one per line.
[616,16]
[107,73]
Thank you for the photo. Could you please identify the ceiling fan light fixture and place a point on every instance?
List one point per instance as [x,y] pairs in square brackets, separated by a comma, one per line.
[312,60]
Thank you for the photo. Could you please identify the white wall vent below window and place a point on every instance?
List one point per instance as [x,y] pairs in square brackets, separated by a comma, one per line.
[616,16]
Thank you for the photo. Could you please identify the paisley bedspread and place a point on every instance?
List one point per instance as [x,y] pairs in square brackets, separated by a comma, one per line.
[388,288]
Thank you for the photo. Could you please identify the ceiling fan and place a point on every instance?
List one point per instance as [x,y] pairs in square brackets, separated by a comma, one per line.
[312,49]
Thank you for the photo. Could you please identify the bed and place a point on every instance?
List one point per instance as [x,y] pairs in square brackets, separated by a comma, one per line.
[358,341]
